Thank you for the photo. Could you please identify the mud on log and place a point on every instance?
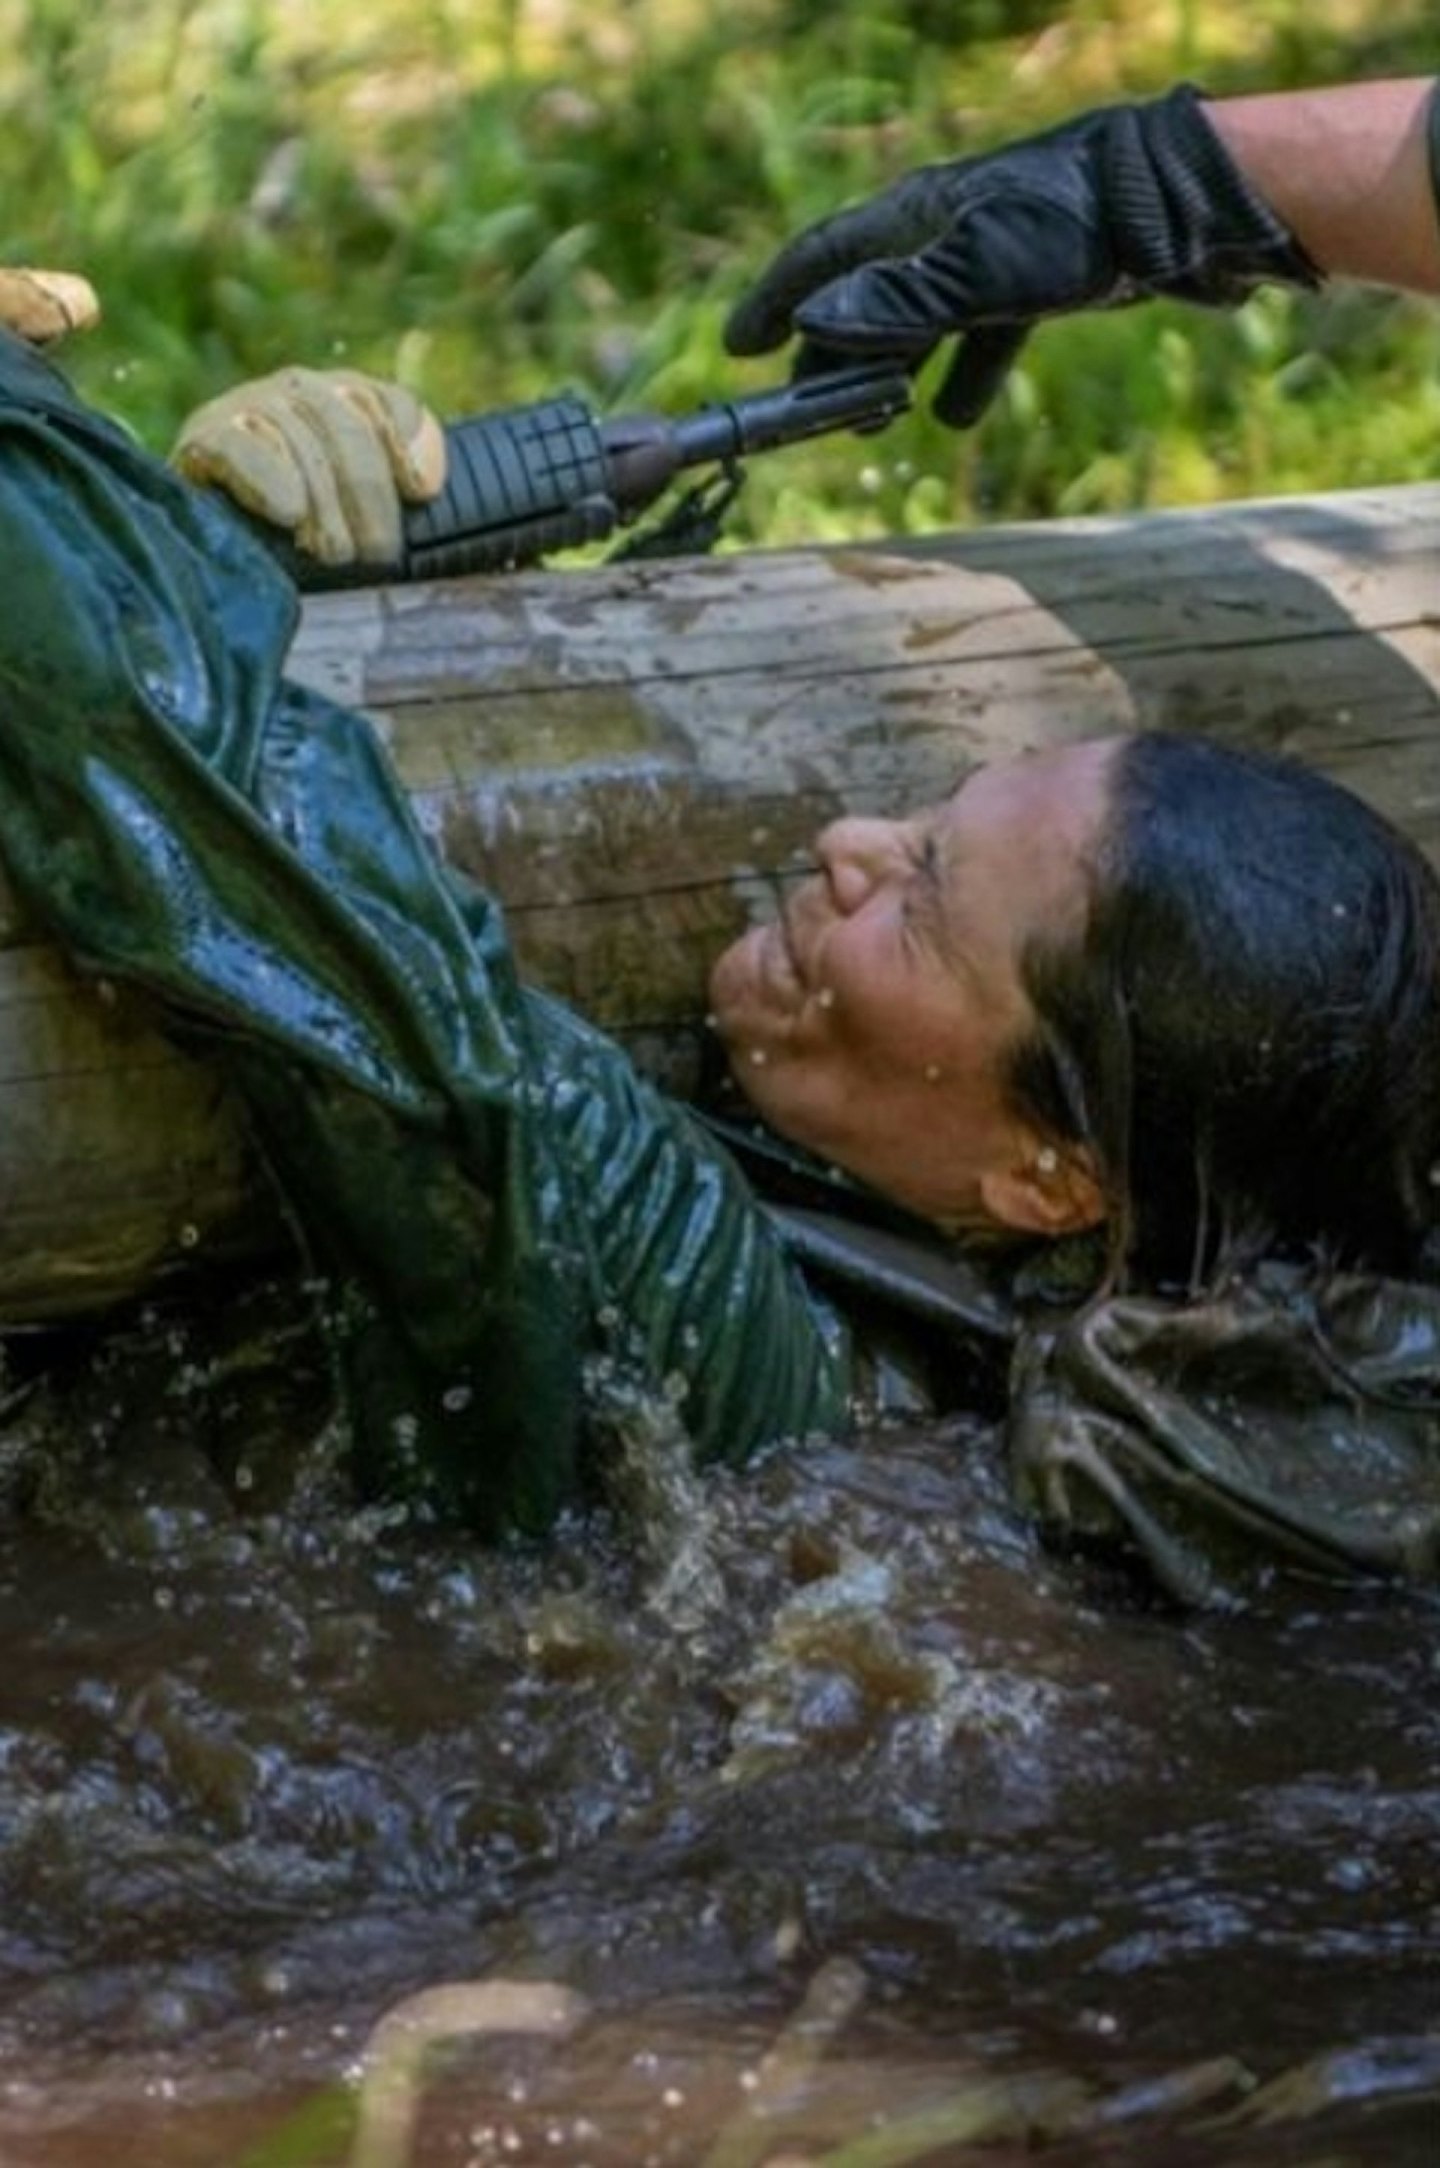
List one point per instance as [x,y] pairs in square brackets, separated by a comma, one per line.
[637,757]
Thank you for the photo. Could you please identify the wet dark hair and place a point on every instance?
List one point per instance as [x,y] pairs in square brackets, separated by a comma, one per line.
[1246,1034]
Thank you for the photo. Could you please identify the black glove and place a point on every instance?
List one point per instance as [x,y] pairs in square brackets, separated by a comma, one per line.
[1117,206]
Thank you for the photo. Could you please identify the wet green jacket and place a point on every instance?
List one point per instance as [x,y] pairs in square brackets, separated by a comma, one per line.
[506,1201]
[510,1209]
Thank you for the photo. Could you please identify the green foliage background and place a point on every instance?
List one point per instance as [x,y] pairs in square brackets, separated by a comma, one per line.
[496,198]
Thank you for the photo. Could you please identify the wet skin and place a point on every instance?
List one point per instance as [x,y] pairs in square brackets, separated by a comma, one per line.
[872,1020]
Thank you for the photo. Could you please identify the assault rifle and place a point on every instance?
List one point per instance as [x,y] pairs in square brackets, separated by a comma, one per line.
[532,479]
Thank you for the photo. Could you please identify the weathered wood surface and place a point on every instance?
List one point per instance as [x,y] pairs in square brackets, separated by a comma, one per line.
[633,756]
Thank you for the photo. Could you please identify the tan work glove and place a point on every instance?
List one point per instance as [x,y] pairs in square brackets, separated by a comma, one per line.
[42,307]
[327,453]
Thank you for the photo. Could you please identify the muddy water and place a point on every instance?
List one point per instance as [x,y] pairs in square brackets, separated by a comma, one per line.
[269,1765]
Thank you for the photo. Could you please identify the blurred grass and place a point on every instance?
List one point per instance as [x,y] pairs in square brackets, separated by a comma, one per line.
[495,198]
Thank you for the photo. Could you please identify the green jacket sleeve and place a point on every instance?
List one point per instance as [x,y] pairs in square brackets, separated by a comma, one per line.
[498,1194]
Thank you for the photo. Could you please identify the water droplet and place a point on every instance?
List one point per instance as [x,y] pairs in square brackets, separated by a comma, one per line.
[933,1072]
[825,998]
[758,1057]
[788,1936]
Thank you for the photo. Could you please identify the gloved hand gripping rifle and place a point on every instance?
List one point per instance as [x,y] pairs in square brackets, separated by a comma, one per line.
[532,479]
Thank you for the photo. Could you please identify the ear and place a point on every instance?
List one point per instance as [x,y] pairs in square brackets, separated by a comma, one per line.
[1044,1189]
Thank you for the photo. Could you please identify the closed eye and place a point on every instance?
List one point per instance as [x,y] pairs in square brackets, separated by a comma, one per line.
[920,904]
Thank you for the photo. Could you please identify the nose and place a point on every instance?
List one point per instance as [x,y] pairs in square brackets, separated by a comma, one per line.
[858,854]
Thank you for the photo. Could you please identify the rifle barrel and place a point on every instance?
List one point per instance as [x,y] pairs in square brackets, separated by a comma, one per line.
[863,398]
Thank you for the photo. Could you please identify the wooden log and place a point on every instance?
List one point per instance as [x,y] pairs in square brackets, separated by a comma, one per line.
[634,757]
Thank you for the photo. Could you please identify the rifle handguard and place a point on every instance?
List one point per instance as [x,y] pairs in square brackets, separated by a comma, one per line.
[534,479]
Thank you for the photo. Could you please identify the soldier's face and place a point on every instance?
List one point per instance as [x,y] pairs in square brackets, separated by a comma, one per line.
[871,1022]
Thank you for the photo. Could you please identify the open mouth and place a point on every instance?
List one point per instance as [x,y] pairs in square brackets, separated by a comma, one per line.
[787,936]
[782,967]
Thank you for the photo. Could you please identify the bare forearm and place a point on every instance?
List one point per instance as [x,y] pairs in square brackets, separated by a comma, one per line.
[1349,172]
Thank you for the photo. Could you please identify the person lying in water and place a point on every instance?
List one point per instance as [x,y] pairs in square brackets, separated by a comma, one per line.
[1142,988]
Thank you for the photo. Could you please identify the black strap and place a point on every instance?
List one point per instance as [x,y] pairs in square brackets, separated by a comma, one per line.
[906,1274]
[865,1246]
